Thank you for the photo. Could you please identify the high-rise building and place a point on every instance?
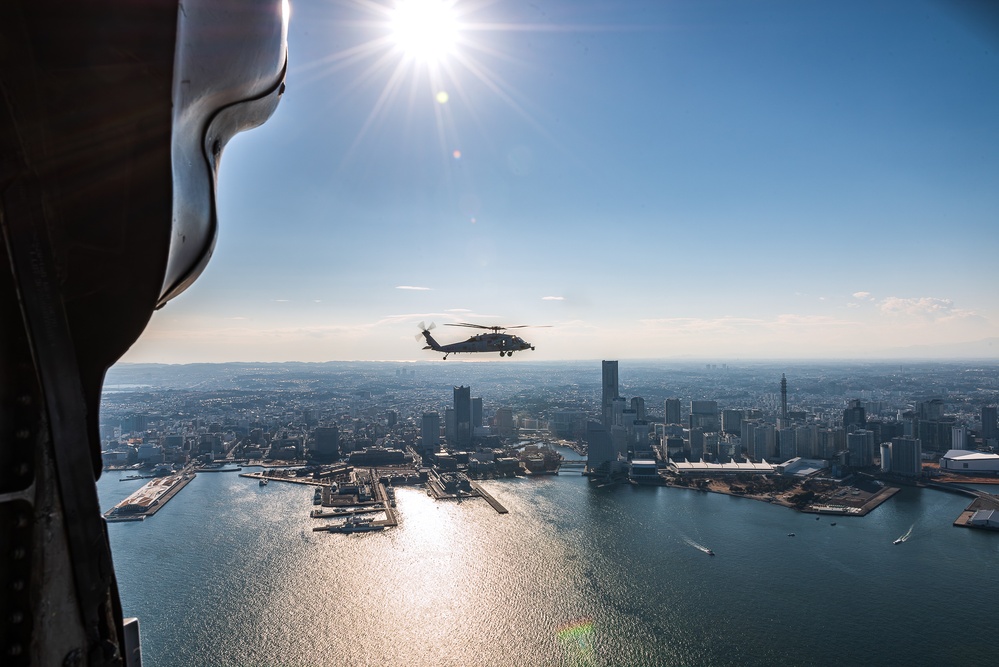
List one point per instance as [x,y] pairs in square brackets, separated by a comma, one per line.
[860,444]
[450,428]
[569,424]
[476,413]
[327,439]
[731,421]
[958,437]
[600,452]
[672,411]
[430,431]
[638,405]
[704,415]
[463,417]
[696,440]
[885,457]
[990,427]
[610,392]
[854,416]
[932,410]
[618,406]
[760,440]
[906,456]
[503,420]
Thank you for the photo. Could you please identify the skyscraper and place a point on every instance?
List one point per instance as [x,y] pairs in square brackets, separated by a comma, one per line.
[476,414]
[704,415]
[609,393]
[860,444]
[854,416]
[463,417]
[430,431]
[600,452]
[672,411]
[990,429]
[906,456]
[638,405]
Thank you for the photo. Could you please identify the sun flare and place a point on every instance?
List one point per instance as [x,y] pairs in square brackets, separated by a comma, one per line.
[425,30]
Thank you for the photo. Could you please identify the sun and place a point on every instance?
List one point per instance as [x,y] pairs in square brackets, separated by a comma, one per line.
[425,30]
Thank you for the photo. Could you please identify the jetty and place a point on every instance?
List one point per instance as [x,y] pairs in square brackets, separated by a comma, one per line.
[150,498]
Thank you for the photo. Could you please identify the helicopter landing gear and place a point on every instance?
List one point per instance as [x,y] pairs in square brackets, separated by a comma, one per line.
[445,357]
[502,353]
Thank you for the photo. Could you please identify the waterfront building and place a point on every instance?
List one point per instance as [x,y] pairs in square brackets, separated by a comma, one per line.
[906,456]
[644,470]
[860,444]
[609,392]
[430,431]
[970,462]
[622,443]
[885,457]
[672,407]
[600,450]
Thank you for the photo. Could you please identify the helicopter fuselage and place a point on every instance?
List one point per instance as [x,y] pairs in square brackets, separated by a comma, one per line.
[505,344]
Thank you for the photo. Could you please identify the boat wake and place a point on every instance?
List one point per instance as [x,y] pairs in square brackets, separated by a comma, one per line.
[699,547]
[908,533]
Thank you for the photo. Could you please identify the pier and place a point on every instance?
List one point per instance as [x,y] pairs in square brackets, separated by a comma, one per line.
[150,498]
[488,497]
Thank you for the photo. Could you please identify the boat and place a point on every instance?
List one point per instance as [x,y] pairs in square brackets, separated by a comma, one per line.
[710,552]
[355,524]
[898,541]
[833,523]
[790,534]
[263,481]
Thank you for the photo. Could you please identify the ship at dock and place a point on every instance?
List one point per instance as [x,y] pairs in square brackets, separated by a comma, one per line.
[355,524]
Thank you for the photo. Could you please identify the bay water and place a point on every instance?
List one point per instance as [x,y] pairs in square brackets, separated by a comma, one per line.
[230,573]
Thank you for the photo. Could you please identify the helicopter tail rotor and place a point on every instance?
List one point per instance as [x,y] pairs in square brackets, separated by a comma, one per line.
[425,334]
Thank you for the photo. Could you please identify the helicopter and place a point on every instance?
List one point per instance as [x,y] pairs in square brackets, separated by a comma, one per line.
[504,343]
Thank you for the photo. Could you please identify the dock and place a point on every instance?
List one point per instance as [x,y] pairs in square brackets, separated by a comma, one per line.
[489,498]
[149,499]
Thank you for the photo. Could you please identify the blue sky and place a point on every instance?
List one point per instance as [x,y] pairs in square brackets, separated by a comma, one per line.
[653,179]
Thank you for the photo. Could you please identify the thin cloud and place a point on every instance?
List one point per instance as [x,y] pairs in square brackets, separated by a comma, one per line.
[925,308]
[414,288]
[863,296]
[553,298]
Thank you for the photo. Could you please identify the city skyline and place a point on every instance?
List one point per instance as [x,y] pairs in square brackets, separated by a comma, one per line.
[661,181]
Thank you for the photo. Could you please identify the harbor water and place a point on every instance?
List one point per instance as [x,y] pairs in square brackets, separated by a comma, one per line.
[230,573]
